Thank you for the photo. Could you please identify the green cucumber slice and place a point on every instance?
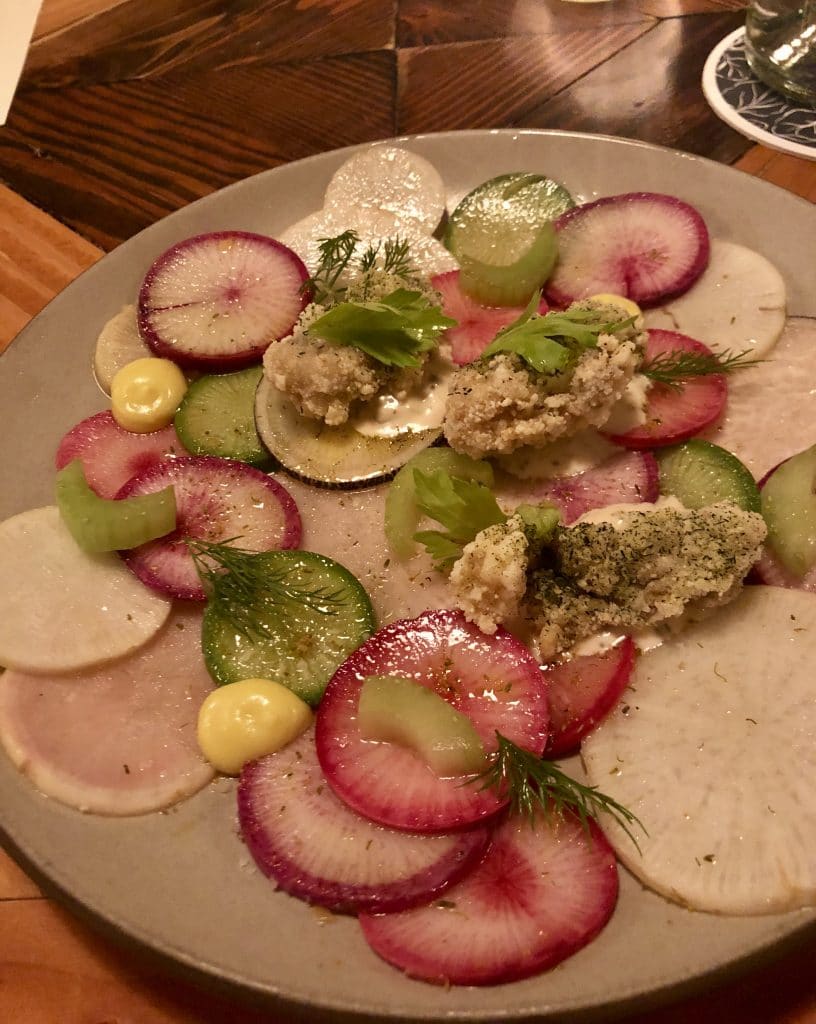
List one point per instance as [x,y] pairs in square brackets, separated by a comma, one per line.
[105,524]
[217,417]
[294,643]
[700,473]
[503,236]
[789,507]
[401,513]
[330,456]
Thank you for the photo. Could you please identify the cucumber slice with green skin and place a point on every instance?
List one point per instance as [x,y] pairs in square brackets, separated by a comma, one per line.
[217,417]
[103,524]
[330,456]
[299,644]
[789,508]
[401,513]
[503,236]
[700,473]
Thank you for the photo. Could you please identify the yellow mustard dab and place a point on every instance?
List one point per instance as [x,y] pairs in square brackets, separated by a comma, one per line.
[248,719]
[631,308]
[146,393]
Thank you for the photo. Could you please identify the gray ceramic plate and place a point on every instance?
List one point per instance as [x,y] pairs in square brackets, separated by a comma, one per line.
[181,882]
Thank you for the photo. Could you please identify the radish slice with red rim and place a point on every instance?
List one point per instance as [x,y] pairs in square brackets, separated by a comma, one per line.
[216,500]
[316,848]
[111,455]
[676,414]
[642,245]
[494,680]
[216,301]
[582,691]
[477,325]
[540,894]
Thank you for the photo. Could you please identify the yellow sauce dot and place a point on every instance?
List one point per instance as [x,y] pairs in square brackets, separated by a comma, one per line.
[146,394]
[631,308]
[249,719]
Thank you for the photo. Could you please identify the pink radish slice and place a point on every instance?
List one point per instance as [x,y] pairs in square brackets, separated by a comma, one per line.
[216,301]
[120,739]
[216,500]
[478,325]
[494,680]
[675,415]
[111,455]
[540,894]
[642,245]
[317,848]
[628,478]
[582,691]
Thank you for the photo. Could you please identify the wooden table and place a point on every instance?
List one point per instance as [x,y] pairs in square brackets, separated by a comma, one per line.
[128,109]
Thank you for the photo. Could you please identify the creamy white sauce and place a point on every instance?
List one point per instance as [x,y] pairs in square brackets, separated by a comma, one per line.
[619,515]
[389,415]
[630,409]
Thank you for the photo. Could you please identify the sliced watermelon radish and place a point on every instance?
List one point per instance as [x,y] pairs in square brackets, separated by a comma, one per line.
[216,301]
[494,680]
[216,500]
[582,691]
[676,414]
[625,479]
[315,847]
[112,455]
[540,894]
[642,245]
[477,325]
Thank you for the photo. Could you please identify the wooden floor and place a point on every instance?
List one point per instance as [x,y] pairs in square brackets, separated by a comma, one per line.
[128,109]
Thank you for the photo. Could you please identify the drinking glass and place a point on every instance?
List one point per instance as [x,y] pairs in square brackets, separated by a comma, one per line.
[780,46]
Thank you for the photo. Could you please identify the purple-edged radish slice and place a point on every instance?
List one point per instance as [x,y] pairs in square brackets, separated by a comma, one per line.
[494,680]
[582,691]
[540,894]
[111,455]
[676,414]
[315,847]
[477,325]
[216,500]
[642,245]
[628,478]
[216,301]
[119,739]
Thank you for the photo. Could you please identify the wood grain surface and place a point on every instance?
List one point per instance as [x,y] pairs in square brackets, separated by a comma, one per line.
[129,109]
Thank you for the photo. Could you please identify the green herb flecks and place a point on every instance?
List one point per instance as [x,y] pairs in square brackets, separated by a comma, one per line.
[395,330]
[673,368]
[463,507]
[533,785]
[395,257]
[243,586]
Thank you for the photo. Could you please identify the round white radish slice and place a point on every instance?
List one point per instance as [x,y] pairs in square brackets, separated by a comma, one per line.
[370,226]
[216,301]
[714,749]
[494,680]
[771,408]
[540,894]
[737,305]
[118,344]
[216,500]
[317,848]
[642,245]
[391,179]
[676,414]
[63,609]
[111,455]
[118,739]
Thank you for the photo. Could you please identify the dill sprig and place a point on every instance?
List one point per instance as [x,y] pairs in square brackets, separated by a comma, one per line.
[674,367]
[533,784]
[335,255]
[245,587]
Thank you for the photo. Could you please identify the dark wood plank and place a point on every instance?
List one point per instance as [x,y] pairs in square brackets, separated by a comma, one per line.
[136,38]
[159,143]
[497,83]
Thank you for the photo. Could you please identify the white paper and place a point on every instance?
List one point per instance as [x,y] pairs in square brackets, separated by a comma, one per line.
[17,19]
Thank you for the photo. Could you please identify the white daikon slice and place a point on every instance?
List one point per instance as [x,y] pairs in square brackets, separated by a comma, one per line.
[304,237]
[713,747]
[771,409]
[118,344]
[737,304]
[62,609]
